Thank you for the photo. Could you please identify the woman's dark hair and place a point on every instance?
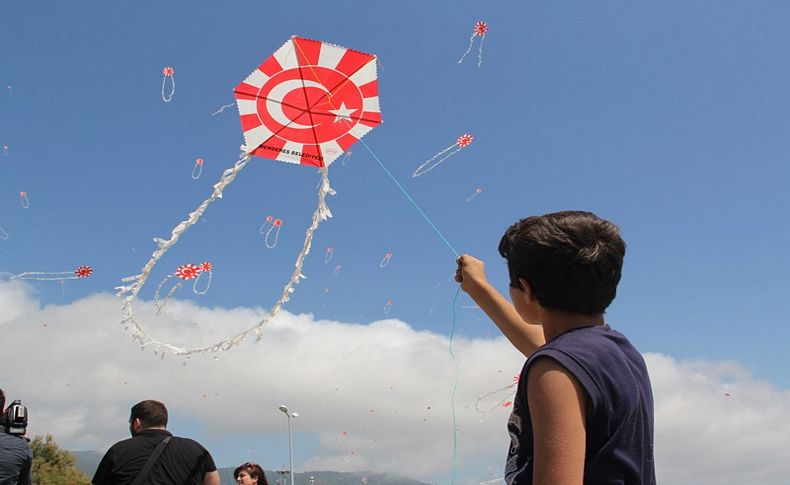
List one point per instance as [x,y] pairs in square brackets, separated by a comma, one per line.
[571,259]
[254,470]
[152,414]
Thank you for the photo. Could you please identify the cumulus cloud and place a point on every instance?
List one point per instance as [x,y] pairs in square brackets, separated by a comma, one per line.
[371,397]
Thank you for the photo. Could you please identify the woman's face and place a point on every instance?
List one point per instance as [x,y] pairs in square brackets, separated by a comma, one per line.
[244,478]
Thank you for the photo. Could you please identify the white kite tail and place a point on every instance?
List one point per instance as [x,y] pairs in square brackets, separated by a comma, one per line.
[158,301]
[130,292]
[471,41]
[169,97]
[432,162]
[486,407]
[480,51]
[45,276]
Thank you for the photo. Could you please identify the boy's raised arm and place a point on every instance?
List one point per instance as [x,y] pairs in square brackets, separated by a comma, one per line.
[524,336]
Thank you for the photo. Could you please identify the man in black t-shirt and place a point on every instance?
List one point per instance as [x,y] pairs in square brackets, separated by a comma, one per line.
[183,461]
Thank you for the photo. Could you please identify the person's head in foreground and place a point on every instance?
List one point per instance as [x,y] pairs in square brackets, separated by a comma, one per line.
[249,473]
[569,261]
[148,414]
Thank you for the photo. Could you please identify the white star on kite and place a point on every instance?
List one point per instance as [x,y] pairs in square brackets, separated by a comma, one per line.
[342,112]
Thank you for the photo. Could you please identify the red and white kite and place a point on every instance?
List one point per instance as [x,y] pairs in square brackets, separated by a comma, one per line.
[306,104]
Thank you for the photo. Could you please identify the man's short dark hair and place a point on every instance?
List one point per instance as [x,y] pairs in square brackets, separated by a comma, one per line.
[2,402]
[571,259]
[152,414]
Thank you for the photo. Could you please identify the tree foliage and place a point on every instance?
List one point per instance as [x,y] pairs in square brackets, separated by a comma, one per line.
[53,466]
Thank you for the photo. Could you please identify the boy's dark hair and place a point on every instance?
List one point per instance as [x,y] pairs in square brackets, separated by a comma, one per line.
[152,414]
[572,260]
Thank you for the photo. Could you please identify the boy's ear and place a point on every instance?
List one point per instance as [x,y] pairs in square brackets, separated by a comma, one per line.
[526,289]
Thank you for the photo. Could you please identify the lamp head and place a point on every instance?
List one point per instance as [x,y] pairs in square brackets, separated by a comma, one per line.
[283,408]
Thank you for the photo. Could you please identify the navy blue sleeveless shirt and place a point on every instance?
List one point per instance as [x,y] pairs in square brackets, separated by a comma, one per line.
[619,414]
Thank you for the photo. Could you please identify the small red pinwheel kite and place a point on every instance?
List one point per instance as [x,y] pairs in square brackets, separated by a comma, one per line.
[306,104]
[83,271]
[479,30]
[80,272]
[187,271]
[184,272]
[167,73]
[462,141]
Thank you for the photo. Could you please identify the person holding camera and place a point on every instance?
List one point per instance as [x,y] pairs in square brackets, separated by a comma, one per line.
[154,456]
[16,457]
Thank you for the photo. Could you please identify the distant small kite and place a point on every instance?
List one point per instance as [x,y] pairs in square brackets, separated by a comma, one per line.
[185,272]
[272,233]
[463,141]
[197,169]
[503,403]
[81,272]
[474,194]
[168,74]
[479,30]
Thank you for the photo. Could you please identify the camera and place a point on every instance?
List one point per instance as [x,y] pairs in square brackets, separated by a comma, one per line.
[15,419]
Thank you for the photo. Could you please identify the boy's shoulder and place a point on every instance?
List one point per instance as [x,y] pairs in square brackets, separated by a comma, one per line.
[598,352]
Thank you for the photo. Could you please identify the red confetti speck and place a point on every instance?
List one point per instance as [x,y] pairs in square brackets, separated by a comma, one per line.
[507,404]
[199,161]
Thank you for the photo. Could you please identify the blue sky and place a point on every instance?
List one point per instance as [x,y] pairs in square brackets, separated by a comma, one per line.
[669,119]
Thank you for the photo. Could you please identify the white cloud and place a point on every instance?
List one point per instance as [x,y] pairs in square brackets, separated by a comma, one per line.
[716,424]
[374,397]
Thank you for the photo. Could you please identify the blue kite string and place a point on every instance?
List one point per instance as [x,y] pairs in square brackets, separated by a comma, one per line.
[455,297]
[455,386]
[414,203]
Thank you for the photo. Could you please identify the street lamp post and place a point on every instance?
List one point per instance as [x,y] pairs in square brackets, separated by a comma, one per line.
[284,409]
